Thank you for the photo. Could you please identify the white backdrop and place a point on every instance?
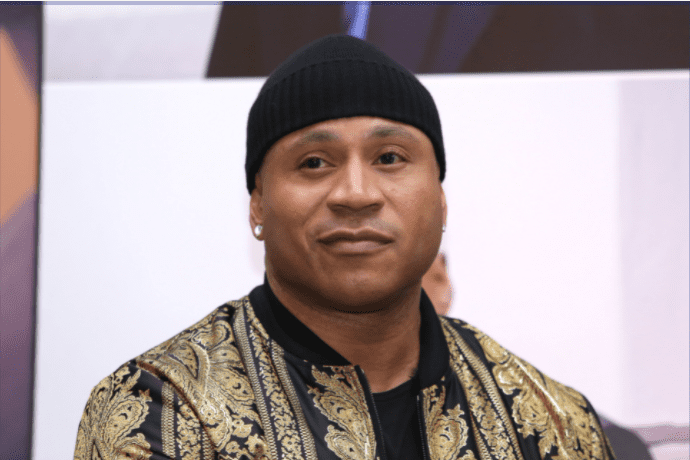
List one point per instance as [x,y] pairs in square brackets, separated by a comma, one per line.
[144,228]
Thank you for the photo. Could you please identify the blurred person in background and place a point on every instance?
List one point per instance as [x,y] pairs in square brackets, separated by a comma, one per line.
[436,283]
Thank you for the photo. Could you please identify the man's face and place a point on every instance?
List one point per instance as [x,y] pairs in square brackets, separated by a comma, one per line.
[352,211]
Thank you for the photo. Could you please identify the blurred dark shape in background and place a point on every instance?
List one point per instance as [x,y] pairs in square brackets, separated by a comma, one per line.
[626,444]
[253,39]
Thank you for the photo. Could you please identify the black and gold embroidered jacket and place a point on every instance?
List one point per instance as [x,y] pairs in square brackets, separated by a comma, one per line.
[235,386]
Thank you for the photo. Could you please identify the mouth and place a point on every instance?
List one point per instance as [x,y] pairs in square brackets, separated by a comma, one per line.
[355,242]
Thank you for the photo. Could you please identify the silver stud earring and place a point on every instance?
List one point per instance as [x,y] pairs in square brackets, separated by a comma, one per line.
[444,227]
[257,230]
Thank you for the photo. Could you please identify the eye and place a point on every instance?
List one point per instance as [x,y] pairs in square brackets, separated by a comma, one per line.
[390,158]
[312,163]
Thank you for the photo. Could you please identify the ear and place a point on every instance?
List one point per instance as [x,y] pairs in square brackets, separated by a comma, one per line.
[256,205]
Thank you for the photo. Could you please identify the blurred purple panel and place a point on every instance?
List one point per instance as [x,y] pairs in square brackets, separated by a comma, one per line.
[17,282]
[18,264]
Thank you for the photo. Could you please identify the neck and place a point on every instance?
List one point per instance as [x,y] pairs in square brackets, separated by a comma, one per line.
[379,342]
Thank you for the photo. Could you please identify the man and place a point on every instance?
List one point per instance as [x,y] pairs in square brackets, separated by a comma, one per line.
[339,354]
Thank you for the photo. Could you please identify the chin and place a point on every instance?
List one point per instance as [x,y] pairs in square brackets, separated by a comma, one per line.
[363,293]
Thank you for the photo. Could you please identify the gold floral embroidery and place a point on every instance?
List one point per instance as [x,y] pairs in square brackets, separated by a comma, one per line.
[492,431]
[254,448]
[278,408]
[344,404]
[112,413]
[204,365]
[552,412]
[446,433]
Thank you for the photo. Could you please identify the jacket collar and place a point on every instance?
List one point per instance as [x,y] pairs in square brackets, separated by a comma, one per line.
[296,338]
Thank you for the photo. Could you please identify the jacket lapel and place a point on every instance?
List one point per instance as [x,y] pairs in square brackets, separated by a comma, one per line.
[491,425]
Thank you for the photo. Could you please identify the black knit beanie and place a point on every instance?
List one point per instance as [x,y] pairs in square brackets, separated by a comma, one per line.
[333,77]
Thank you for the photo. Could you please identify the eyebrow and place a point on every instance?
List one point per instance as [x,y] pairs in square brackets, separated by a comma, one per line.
[317,136]
[380,132]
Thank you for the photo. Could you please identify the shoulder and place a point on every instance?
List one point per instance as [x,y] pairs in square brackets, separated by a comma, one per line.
[115,411]
[171,361]
[497,358]
[178,358]
[190,392]
[203,363]
[553,415]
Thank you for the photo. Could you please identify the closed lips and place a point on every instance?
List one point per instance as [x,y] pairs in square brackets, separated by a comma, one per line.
[357,235]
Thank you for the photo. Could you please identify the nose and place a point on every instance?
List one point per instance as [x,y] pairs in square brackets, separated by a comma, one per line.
[356,188]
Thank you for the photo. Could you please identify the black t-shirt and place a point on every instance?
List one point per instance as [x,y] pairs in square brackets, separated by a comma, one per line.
[397,412]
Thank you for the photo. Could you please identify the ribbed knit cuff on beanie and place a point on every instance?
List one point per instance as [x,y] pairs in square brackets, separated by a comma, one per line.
[333,77]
